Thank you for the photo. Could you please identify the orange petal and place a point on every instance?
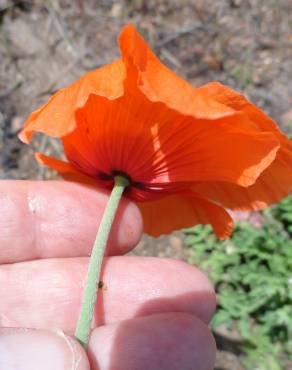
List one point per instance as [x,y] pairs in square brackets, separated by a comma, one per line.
[239,103]
[276,181]
[180,211]
[56,117]
[160,84]
[156,145]
[272,185]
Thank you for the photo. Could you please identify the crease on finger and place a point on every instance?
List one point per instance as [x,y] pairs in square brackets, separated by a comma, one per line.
[33,207]
[75,350]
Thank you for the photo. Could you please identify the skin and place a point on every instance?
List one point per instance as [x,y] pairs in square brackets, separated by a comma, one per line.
[152,313]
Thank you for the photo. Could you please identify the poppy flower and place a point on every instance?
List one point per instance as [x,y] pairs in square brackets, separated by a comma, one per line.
[187,152]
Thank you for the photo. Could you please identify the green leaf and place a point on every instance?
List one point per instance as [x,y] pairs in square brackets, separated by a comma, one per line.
[252,273]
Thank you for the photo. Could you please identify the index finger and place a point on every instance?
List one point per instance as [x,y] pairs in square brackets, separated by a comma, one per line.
[43,219]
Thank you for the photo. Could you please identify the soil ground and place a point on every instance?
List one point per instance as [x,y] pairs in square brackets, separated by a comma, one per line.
[45,45]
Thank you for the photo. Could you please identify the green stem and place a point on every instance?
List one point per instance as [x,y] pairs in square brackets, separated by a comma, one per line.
[92,280]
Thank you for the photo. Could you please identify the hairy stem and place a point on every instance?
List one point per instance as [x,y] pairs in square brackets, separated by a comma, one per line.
[95,262]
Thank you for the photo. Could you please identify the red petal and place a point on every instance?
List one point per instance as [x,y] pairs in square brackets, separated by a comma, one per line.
[155,145]
[180,211]
[65,169]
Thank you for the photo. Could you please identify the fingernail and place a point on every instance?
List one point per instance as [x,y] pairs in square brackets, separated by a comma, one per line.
[22,349]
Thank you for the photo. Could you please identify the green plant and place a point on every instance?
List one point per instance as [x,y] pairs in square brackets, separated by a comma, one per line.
[243,75]
[252,273]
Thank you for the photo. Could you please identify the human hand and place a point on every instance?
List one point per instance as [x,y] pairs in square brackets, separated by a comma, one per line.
[151,313]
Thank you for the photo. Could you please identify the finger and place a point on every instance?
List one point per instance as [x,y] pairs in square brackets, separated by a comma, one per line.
[59,219]
[172,341]
[23,349]
[47,293]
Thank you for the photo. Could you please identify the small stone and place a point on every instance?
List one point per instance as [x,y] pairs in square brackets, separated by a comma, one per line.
[16,124]
[286,120]
[175,242]
[116,10]
[5,4]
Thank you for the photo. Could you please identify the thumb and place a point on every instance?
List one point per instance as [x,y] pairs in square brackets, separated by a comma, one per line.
[26,349]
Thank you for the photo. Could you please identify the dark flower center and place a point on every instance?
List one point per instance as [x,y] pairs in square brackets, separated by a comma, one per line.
[132,183]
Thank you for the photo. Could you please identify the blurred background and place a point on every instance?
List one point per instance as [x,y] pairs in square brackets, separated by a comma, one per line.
[246,44]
